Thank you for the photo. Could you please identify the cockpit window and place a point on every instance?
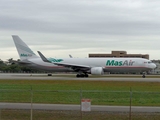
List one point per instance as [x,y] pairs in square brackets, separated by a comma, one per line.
[149,62]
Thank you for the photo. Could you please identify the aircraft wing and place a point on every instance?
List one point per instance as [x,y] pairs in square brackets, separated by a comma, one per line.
[73,66]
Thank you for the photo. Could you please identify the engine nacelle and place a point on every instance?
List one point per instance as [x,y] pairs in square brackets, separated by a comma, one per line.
[97,71]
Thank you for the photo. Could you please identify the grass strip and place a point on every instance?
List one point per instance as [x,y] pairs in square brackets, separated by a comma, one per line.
[74,115]
[70,92]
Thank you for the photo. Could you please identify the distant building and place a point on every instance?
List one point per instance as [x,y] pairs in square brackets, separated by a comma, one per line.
[119,54]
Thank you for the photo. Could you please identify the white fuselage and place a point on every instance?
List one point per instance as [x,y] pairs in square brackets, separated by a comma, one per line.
[108,64]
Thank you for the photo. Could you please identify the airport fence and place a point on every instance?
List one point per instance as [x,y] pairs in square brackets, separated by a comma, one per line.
[98,97]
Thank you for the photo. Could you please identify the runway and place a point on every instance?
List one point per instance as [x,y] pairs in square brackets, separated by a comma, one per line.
[77,107]
[25,76]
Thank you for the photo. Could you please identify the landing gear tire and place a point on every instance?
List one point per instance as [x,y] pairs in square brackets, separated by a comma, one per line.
[81,75]
[77,75]
[49,74]
[86,75]
[143,76]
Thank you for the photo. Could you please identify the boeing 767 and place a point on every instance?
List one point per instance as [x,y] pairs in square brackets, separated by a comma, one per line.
[83,66]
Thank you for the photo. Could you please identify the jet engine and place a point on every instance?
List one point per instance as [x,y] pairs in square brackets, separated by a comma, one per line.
[97,71]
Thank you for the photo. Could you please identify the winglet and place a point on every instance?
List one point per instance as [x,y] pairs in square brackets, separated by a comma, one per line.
[43,57]
[70,56]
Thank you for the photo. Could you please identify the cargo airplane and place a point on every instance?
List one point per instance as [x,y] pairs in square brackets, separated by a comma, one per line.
[83,66]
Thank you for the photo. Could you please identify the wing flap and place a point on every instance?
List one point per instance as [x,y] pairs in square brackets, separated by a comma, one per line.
[71,65]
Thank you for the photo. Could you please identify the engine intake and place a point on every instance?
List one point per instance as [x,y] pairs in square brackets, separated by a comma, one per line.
[97,71]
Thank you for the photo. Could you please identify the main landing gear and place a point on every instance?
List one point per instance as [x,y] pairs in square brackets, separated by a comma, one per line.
[82,75]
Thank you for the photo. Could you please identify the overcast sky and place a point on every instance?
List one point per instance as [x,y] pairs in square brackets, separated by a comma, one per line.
[58,28]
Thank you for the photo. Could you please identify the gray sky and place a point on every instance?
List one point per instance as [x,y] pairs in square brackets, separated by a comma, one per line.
[61,27]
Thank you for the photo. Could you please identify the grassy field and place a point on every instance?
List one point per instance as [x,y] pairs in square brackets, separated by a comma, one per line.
[71,91]
[74,115]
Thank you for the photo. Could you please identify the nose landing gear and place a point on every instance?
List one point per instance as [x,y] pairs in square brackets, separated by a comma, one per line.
[143,74]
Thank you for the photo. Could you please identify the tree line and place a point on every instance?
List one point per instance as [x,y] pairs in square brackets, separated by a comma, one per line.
[11,67]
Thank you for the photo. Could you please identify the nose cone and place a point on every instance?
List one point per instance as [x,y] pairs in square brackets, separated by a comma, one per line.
[153,66]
